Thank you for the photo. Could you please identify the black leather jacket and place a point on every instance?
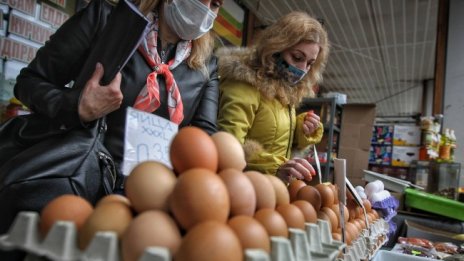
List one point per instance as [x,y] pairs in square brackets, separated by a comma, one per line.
[41,85]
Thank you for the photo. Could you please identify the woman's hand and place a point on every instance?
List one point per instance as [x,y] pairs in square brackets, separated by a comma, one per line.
[310,123]
[296,168]
[96,100]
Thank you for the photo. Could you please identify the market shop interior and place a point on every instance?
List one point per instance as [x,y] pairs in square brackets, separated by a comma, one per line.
[390,166]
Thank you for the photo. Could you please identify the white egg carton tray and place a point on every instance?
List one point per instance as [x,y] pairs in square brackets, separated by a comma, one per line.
[60,244]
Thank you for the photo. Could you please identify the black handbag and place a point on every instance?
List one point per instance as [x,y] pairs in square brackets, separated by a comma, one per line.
[39,161]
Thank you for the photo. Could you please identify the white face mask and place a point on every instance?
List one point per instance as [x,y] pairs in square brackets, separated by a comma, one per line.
[189,19]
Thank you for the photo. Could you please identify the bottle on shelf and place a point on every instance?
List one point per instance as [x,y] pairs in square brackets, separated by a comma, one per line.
[444,152]
[453,145]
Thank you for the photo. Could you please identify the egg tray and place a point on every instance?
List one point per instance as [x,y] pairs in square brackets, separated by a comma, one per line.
[313,243]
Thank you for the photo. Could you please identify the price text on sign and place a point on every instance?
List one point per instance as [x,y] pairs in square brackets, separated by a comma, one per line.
[147,137]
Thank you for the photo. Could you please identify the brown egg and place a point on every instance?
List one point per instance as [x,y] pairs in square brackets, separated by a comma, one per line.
[357,224]
[337,236]
[273,222]
[310,194]
[241,192]
[265,193]
[199,195]
[294,187]
[327,195]
[351,205]
[347,213]
[359,212]
[250,233]
[210,241]
[349,196]
[322,215]
[150,228]
[309,213]
[112,216]
[369,218]
[292,215]
[149,186]
[352,229]
[348,237]
[332,216]
[367,205]
[230,151]
[192,148]
[66,208]
[361,223]
[114,198]
[335,192]
[281,191]
[336,209]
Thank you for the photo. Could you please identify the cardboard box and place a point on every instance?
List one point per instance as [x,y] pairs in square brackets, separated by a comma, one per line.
[403,156]
[406,135]
[357,182]
[357,160]
[355,138]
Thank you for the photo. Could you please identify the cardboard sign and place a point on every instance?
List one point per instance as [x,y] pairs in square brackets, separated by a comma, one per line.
[147,137]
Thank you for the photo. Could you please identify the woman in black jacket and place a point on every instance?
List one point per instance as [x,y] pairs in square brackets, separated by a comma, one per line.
[179,37]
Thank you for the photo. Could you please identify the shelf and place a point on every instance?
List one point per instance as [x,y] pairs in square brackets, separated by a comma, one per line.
[388,166]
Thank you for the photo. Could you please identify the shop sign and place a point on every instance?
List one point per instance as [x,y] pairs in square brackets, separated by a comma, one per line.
[28,29]
[15,50]
[26,6]
[53,16]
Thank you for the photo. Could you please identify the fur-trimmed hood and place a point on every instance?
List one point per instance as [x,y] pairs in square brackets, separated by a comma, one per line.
[235,65]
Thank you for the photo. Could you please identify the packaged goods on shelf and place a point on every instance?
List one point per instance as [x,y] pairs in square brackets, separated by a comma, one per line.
[405,135]
[403,156]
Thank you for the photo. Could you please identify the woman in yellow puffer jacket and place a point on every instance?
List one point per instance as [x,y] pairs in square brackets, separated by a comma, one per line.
[260,88]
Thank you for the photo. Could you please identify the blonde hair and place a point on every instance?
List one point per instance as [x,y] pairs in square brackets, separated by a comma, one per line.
[289,30]
[202,48]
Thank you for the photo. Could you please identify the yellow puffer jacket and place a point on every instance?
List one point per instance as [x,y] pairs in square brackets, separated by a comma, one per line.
[267,128]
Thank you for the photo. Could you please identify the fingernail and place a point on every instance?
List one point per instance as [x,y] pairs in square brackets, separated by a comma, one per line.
[99,65]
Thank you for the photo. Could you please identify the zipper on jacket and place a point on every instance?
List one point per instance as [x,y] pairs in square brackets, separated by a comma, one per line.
[290,132]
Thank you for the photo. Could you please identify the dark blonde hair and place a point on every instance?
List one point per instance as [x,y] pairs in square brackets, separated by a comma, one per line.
[202,48]
[289,30]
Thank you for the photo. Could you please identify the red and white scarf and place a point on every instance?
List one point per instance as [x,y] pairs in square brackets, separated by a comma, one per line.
[149,98]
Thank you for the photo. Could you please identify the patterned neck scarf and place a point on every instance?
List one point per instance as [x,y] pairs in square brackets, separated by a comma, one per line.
[149,97]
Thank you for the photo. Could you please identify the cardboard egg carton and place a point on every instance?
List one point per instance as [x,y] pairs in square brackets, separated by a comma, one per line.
[313,243]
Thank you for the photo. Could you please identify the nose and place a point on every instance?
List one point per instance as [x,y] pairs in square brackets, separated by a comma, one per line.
[302,66]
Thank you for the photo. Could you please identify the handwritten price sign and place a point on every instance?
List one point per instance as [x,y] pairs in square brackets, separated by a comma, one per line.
[147,137]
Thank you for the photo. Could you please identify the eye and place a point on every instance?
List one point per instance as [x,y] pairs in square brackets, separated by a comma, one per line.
[298,58]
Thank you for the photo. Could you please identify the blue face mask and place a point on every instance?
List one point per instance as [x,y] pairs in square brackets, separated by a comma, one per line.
[289,72]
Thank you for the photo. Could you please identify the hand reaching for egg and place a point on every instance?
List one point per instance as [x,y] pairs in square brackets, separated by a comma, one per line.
[296,168]
[310,123]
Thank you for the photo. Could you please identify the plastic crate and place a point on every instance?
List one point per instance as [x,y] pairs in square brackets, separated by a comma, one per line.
[434,204]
